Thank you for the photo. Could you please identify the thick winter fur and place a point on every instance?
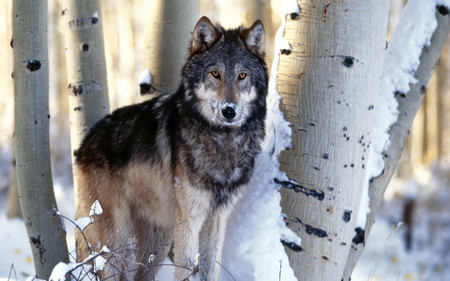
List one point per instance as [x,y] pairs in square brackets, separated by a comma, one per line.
[168,171]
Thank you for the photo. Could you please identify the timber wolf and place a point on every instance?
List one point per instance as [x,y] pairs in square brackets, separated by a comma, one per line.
[168,171]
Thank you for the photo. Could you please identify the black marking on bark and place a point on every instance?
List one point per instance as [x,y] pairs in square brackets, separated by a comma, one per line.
[359,236]
[75,152]
[48,116]
[82,23]
[33,65]
[352,165]
[347,216]
[294,247]
[370,107]
[38,244]
[85,47]
[286,52]
[311,230]
[11,43]
[84,88]
[343,244]
[35,122]
[146,89]
[344,129]
[325,258]
[316,168]
[294,16]
[63,12]
[330,188]
[442,10]
[78,108]
[423,90]
[348,61]
[399,94]
[326,156]
[319,195]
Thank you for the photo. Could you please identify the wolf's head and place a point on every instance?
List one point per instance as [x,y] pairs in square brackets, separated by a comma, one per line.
[225,77]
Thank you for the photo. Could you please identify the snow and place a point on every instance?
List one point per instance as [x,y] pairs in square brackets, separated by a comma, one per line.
[414,30]
[96,209]
[146,77]
[252,248]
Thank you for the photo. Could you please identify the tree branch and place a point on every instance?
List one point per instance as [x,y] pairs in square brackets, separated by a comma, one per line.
[407,107]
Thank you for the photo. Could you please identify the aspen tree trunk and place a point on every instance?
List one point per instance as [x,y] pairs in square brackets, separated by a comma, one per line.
[328,81]
[31,136]
[86,68]
[398,133]
[168,34]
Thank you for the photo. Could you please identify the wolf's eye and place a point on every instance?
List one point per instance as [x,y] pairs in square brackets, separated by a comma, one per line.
[242,75]
[215,74]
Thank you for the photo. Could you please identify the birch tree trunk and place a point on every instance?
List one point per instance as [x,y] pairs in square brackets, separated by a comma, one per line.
[86,68]
[31,135]
[168,35]
[408,104]
[329,80]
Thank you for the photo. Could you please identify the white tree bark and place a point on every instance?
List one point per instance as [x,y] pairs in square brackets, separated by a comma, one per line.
[86,68]
[329,79]
[31,136]
[168,35]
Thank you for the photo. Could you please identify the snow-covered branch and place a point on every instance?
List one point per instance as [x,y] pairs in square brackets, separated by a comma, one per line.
[412,53]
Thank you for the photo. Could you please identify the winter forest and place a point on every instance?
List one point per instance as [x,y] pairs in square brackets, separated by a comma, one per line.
[353,180]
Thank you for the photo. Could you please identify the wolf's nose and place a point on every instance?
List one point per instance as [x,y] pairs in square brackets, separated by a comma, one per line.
[229,112]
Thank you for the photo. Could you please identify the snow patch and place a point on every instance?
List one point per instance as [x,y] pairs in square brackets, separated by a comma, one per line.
[96,209]
[146,77]
[414,31]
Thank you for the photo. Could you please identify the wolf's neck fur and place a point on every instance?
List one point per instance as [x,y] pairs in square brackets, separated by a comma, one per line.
[221,159]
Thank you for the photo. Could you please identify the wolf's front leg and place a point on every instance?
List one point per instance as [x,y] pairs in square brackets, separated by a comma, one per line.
[211,243]
[192,209]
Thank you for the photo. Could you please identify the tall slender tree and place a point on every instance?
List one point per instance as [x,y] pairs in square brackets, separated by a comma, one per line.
[328,79]
[31,136]
[168,34]
[86,67]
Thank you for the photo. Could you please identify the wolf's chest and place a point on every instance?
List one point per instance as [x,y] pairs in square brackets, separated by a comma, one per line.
[220,162]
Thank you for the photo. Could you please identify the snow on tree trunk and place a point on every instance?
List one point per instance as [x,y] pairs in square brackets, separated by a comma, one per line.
[86,67]
[31,136]
[168,34]
[408,101]
[329,80]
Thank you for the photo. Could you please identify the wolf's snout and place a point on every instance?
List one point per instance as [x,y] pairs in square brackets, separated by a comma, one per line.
[229,112]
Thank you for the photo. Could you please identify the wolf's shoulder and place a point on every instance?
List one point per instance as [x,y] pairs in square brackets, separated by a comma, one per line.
[127,134]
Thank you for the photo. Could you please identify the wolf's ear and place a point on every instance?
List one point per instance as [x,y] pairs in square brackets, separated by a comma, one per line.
[205,35]
[254,38]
